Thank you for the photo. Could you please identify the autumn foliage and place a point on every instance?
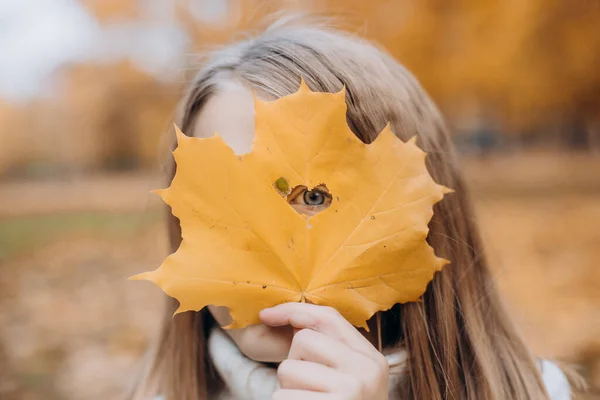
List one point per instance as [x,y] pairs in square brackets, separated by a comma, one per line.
[526,70]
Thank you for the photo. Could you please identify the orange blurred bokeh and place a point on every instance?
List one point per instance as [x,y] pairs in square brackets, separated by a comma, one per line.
[518,81]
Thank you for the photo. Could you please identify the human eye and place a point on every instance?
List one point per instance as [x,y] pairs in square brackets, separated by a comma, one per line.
[311,201]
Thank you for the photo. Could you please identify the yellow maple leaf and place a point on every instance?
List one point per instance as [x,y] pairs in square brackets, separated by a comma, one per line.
[246,248]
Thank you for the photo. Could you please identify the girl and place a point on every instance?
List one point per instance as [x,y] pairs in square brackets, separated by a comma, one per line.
[457,343]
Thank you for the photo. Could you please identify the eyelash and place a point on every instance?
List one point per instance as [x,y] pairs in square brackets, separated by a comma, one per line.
[298,196]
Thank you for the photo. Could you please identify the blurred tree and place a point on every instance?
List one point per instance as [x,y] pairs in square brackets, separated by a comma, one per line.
[522,65]
[525,67]
[107,117]
[9,122]
[121,112]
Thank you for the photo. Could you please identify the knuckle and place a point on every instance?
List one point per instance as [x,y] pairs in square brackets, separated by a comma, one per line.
[374,375]
[370,376]
[302,338]
[286,369]
[331,311]
[350,383]
[382,364]
[353,386]
[376,364]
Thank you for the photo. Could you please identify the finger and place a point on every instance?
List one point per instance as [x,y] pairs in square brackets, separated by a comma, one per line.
[305,375]
[293,394]
[313,346]
[318,318]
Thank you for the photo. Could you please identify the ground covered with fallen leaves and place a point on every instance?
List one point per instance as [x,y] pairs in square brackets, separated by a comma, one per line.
[73,327]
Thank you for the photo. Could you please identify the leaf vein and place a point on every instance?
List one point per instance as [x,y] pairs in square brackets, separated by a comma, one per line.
[379,240]
[326,263]
[397,273]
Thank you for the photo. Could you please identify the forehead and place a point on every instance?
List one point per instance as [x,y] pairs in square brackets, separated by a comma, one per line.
[229,112]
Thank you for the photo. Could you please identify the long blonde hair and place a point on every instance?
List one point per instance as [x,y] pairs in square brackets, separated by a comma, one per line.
[460,341]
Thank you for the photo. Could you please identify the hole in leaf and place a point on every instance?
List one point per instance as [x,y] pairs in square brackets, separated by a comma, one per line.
[309,201]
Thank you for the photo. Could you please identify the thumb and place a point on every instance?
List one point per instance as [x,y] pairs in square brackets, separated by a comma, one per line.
[245,378]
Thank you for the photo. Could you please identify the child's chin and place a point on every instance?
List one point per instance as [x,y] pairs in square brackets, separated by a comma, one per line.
[263,343]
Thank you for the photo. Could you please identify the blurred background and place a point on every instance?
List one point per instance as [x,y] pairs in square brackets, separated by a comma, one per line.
[87,88]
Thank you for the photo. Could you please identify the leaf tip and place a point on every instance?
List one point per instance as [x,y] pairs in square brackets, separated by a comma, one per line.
[160,192]
[144,276]
[185,307]
[342,92]
[413,140]
[446,190]
[230,326]
[387,130]
[179,134]
[303,88]
[235,324]
[442,262]
[179,310]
